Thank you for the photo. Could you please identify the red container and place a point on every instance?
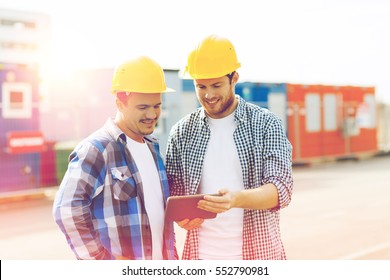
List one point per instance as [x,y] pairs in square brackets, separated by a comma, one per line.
[331,122]
[48,166]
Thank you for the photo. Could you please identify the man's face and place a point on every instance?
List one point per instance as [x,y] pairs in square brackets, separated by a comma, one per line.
[138,114]
[217,95]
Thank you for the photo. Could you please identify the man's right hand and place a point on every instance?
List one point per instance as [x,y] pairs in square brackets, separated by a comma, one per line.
[190,224]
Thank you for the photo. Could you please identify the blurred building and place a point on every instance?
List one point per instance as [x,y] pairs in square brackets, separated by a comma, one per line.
[384,127]
[24,40]
[40,123]
[81,103]
[24,37]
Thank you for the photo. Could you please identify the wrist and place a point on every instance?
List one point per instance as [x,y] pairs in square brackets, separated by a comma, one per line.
[235,201]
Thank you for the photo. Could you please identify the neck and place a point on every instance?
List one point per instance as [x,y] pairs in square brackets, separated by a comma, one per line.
[119,122]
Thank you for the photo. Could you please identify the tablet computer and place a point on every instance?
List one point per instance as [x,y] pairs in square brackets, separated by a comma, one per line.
[186,207]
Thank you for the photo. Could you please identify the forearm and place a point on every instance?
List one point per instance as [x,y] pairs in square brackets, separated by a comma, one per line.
[72,210]
[261,198]
[74,220]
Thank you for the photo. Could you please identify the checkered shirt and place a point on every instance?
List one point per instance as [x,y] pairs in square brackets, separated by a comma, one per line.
[266,157]
[100,203]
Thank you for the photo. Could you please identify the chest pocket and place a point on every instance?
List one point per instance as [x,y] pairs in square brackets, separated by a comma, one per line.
[123,184]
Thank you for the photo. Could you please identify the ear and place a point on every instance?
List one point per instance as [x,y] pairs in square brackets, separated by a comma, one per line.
[119,104]
[235,78]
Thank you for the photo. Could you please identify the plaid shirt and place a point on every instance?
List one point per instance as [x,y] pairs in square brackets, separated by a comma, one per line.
[265,157]
[100,203]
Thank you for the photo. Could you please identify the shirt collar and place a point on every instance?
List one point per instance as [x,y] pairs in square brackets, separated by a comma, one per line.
[239,113]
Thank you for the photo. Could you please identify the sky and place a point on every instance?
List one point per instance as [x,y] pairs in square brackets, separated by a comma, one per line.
[337,42]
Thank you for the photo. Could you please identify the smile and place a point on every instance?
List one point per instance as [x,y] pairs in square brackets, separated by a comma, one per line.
[211,102]
[149,122]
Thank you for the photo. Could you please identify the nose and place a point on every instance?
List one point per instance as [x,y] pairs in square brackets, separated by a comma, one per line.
[209,94]
[152,114]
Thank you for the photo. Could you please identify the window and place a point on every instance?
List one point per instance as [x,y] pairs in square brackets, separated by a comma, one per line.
[313,112]
[17,23]
[330,112]
[17,100]
[10,45]
[366,112]
[277,103]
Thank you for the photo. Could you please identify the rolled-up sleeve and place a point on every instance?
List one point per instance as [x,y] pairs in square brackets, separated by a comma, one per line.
[277,160]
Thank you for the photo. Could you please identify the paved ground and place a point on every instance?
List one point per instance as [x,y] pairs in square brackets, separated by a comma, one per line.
[340,210]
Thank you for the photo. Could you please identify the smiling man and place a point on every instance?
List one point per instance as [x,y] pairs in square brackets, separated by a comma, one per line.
[233,148]
[111,201]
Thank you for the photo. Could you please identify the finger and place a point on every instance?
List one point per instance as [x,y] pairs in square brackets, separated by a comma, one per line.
[213,198]
[214,202]
[214,207]
[195,223]
[223,191]
[121,258]
[182,223]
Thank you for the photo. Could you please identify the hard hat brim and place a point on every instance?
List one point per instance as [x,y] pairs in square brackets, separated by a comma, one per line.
[169,90]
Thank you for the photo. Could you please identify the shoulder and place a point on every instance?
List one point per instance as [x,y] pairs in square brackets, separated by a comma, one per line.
[100,139]
[97,142]
[255,113]
[259,120]
[189,123]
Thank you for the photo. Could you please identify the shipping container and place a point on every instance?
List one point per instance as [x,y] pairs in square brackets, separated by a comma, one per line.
[323,122]
[25,158]
[266,95]
[21,141]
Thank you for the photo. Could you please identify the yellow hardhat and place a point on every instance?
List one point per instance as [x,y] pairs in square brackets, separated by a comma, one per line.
[141,74]
[214,57]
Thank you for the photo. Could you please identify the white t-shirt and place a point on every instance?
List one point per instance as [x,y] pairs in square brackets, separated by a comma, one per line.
[221,238]
[153,196]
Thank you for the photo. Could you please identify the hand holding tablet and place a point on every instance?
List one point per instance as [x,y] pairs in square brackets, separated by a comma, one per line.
[186,207]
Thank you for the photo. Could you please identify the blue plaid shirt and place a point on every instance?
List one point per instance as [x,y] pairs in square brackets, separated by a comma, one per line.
[265,156]
[100,203]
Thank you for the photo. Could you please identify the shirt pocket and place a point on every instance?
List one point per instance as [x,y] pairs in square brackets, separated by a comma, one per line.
[123,184]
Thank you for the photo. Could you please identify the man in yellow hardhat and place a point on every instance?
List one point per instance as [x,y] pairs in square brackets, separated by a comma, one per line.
[235,149]
[110,204]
